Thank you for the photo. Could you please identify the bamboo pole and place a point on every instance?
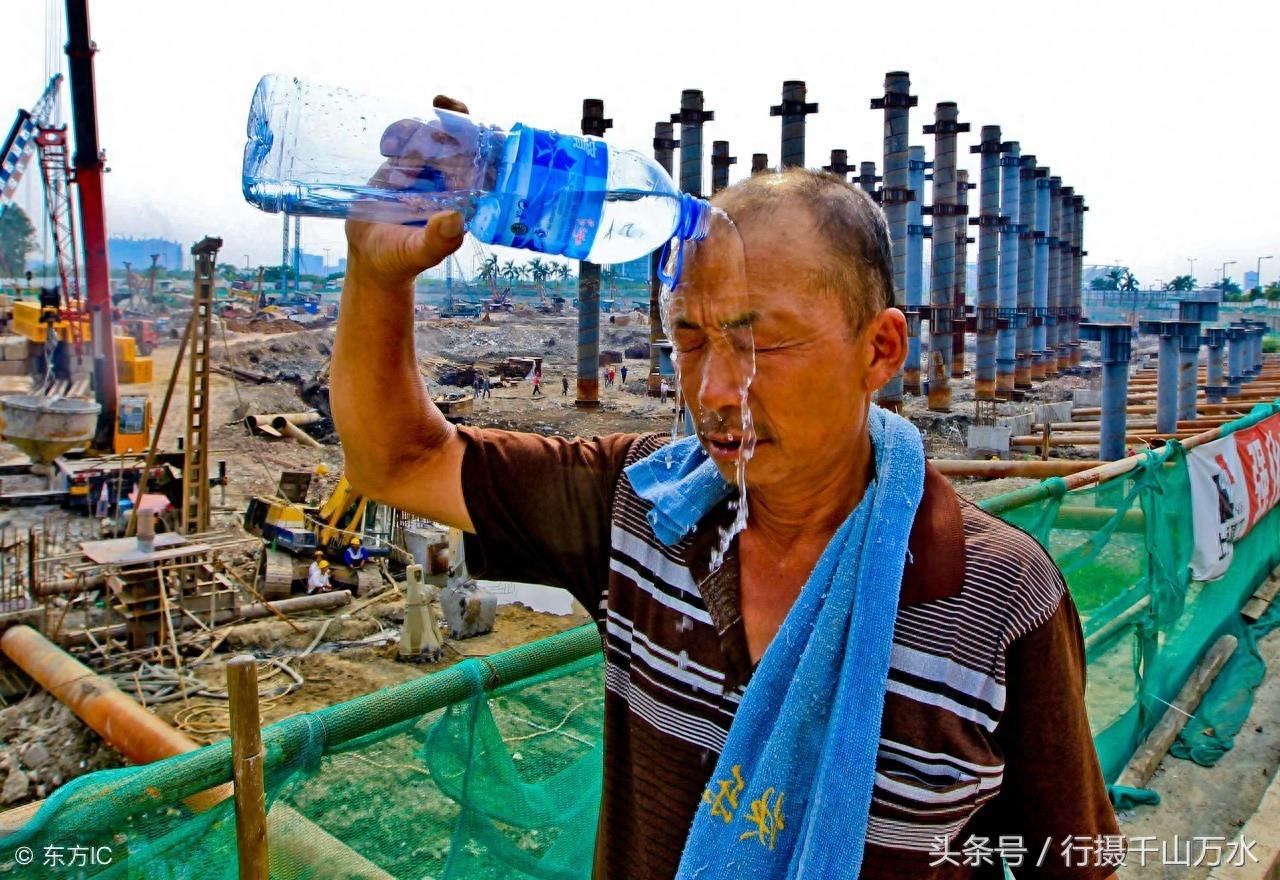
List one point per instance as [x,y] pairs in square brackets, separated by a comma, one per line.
[1112,469]
[246,767]
[961,467]
[1149,755]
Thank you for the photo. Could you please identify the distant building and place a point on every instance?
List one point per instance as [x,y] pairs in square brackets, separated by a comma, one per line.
[138,251]
[311,264]
[635,270]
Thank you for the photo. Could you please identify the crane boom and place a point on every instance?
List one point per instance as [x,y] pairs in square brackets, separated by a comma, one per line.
[19,144]
[89,164]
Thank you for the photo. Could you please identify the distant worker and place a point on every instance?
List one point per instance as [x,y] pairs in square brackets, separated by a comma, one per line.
[477,385]
[355,556]
[664,389]
[488,387]
[318,576]
[564,386]
[623,371]
[537,385]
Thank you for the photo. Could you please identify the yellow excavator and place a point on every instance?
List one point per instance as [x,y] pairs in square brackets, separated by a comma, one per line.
[295,531]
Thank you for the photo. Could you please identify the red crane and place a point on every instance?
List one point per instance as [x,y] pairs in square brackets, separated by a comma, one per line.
[88,165]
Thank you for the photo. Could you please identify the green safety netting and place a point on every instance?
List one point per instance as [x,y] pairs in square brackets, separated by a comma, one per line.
[1125,546]
[492,768]
[488,769]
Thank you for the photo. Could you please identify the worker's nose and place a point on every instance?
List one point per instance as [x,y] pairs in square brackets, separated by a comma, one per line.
[724,375]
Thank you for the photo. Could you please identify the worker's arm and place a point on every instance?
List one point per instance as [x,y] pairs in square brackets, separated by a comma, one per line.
[399,448]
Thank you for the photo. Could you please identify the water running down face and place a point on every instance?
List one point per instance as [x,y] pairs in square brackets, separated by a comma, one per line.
[750,311]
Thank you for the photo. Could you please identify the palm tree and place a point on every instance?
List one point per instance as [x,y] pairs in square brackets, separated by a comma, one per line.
[562,272]
[489,268]
[1116,275]
[1129,282]
[538,270]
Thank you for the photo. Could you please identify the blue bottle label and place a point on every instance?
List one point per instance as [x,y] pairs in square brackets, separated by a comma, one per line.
[549,194]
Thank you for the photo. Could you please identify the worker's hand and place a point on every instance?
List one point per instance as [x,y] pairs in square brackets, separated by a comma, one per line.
[388,254]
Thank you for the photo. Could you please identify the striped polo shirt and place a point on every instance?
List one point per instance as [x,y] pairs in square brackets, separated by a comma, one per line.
[984,734]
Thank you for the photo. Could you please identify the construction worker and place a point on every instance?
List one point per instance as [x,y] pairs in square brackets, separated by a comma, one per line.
[730,687]
[318,576]
[355,556]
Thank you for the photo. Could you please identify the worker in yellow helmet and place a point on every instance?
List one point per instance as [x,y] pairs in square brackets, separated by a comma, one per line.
[318,576]
[355,556]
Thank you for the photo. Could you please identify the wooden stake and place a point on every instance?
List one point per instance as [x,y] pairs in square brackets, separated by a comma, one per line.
[246,767]
[1149,755]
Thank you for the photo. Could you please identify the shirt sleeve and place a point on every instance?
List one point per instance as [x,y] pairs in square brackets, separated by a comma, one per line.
[541,507]
[1053,796]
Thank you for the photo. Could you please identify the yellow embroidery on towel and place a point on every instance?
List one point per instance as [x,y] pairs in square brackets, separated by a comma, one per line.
[768,821]
[729,791]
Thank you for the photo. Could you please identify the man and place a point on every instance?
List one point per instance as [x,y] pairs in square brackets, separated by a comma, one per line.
[318,575]
[564,386]
[983,732]
[537,384]
[355,556]
[623,372]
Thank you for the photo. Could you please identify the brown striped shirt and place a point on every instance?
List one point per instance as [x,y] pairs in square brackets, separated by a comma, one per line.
[984,733]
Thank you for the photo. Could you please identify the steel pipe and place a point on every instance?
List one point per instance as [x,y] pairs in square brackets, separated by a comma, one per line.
[1188,352]
[1007,292]
[1215,340]
[691,117]
[942,257]
[1066,307]
[1053,320]
[664,147]
[1026,271]
[720,162]
[988,222]
[595,124]
[1116,342]
[914,283]
[1040,281]
[895,196]
[961,274]
[793,111]
[1077,278]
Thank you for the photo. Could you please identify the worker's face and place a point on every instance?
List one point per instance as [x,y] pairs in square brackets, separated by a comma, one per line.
[745,313]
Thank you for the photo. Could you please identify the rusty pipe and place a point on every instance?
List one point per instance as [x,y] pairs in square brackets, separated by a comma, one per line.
[992,470]
[1087,438]
[143,737]
[69,585]
[289,429]
[1150,409]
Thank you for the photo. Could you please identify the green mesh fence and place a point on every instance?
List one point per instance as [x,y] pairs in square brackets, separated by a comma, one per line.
[492,768]
[489,769]
[1125,547]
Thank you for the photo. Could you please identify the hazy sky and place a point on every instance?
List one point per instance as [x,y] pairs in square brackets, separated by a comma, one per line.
[1161,113]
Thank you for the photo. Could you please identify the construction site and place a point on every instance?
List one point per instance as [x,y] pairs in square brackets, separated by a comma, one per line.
[219,659]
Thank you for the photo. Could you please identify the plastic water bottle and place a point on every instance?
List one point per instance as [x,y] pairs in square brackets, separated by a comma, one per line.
[327,152]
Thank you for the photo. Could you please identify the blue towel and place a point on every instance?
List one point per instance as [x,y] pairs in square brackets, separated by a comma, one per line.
[791,792]
[681,482]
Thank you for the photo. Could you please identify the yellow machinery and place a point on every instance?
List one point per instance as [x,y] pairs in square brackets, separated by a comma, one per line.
[133,424]
[294,531]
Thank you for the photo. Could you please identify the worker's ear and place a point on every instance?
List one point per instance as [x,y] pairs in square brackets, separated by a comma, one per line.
[886,347]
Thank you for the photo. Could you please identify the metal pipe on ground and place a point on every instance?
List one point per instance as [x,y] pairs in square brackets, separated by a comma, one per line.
[588,374]
[1026,272]
[1007,291]
[959,320]
[988,223]
[793,110]
[1236,409]
[914,283]
[1108,471]
[894,197]
[998,469]
[945,210]
[142,738]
